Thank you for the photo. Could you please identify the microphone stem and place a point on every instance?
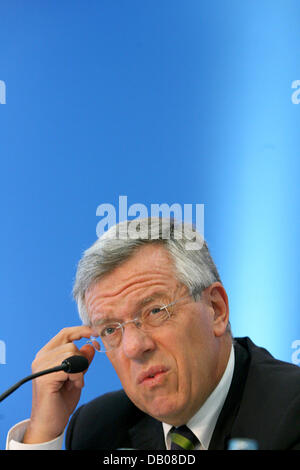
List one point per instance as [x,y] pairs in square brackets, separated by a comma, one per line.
[29,377]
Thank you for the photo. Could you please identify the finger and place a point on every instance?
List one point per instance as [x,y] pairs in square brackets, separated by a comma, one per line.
[77,379]
[67,335]
[63,351]
[70,384]
[55,380]
[88,351]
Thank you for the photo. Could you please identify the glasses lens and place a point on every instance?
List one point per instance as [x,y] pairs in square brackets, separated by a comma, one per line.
[109,338]
[97,344]
[154,316]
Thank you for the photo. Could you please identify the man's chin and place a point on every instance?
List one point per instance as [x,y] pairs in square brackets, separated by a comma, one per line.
[162,409]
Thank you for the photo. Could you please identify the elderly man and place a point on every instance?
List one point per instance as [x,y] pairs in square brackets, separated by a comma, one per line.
[160,313]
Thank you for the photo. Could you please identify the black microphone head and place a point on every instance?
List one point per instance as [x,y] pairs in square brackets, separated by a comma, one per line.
[75,364]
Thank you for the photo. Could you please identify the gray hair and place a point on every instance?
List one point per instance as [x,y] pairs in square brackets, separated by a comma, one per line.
[193,267]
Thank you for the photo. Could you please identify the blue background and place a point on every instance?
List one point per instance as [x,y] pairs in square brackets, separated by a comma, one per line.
[163,101]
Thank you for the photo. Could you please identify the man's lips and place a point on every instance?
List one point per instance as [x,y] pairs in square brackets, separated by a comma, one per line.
[151,373]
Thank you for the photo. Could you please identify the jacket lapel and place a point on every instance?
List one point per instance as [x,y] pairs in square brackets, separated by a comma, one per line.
[147,434]
[222,431]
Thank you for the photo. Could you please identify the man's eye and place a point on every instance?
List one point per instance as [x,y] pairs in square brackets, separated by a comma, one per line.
[155,310]
[108,330]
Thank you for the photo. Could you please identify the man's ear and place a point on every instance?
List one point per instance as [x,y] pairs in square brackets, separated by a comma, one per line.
[218,300]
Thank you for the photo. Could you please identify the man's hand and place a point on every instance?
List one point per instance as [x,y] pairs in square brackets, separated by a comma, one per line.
[55,396]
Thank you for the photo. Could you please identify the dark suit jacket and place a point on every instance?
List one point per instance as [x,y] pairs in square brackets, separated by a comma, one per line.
[263,403]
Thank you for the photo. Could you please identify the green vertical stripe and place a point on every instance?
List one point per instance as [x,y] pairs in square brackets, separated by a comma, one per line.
[182,441]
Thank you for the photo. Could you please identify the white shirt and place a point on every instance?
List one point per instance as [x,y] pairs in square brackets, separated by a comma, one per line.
[202,423]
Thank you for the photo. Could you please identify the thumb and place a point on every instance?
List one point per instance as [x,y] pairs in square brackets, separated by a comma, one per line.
[88,351]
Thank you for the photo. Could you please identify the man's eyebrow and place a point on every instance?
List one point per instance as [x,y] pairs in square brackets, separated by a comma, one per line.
[105,319]
[155,296]
[142,303]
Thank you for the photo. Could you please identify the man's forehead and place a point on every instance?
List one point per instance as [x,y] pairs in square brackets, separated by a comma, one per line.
[138,287]
[148,271]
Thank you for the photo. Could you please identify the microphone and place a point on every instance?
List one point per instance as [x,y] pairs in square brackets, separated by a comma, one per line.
[71,365]
[74,364]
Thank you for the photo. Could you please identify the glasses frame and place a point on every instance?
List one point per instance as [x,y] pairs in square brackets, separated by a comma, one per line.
[138,323]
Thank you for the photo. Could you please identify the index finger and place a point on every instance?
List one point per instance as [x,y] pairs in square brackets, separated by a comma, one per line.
[68,335]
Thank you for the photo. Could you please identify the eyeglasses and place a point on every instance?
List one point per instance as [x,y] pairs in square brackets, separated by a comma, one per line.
[150,317]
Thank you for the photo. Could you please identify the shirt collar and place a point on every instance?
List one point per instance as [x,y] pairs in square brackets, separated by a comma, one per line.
[203,422]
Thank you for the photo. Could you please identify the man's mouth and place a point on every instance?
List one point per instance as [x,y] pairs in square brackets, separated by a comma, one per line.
[152,375]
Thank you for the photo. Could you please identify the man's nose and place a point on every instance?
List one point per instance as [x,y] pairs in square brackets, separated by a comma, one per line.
[135,341]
